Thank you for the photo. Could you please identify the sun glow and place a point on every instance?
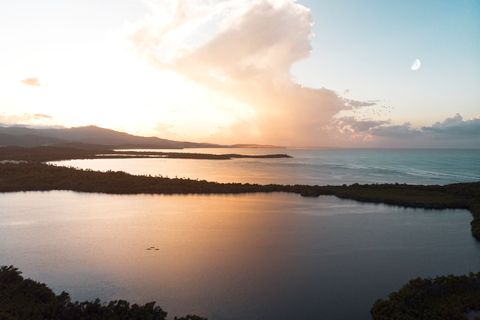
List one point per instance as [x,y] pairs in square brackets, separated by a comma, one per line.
[110,87]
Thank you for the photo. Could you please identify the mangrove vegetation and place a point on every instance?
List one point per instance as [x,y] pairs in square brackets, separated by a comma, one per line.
[446,297]
[26,299]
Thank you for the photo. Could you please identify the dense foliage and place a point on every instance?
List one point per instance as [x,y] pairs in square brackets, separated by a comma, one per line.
[23,299]
[447,297]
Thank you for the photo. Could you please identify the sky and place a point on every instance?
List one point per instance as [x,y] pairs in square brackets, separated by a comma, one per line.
[306,73]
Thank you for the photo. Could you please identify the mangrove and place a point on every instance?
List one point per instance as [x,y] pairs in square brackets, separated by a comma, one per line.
[446,297]
[26,299]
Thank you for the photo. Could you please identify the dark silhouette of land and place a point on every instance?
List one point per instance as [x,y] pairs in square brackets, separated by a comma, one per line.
[87,136]
[49,153]
[445,297]
[26,299]
[93,137]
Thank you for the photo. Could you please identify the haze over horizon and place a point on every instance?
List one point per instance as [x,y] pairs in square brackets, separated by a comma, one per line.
[281,72]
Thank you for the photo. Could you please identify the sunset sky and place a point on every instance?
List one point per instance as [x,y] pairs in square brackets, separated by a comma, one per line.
[311,73]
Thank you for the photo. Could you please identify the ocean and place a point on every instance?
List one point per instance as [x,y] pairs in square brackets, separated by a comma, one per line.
[310,166]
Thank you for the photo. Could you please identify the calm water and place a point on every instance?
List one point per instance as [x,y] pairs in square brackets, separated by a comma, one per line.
[310,166]
[255,256]
[260,256]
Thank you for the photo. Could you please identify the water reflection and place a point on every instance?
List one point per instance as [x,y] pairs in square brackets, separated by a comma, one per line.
[259,256]
[309,166]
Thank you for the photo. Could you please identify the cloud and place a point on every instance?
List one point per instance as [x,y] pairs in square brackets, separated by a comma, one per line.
[374,133]
[455,127]
[248,58]
[359,126]
[452,128]
[38,116]
[161,130]
[176,110]
[32,82]
[25,119]
[359,104]
[162,127]
[243,51]
[404,131]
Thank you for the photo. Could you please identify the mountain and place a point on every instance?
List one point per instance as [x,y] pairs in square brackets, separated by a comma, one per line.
[90,137]
[27,140]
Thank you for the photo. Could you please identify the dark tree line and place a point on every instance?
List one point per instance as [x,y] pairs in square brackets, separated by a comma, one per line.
[446,297]
[26,299]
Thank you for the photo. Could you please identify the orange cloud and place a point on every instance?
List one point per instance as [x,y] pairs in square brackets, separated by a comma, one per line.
[26,118]
[31,82]
[249,59]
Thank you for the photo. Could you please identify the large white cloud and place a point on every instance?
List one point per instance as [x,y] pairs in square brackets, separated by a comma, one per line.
[243,51]
[248,57]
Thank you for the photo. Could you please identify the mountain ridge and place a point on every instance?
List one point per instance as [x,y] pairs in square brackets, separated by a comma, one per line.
[88,137]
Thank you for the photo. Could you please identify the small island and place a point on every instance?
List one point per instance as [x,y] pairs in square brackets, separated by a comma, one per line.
[50,153]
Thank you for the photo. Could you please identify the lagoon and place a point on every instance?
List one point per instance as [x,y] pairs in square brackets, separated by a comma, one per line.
[255,256]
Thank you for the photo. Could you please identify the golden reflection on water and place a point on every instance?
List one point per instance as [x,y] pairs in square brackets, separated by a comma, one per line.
[204,246]
[223,171]
[308,166]
[209,244]
[245,256]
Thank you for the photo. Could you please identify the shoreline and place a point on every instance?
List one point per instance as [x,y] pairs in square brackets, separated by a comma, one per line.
[34,176]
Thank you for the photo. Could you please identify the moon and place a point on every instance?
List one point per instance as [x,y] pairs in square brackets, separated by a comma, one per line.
[415,65]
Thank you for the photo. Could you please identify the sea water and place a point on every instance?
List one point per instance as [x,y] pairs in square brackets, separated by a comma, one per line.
[310,166]
[254,256]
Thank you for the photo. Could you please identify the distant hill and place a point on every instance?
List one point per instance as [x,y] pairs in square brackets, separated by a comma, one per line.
[90,137]
[27,140]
